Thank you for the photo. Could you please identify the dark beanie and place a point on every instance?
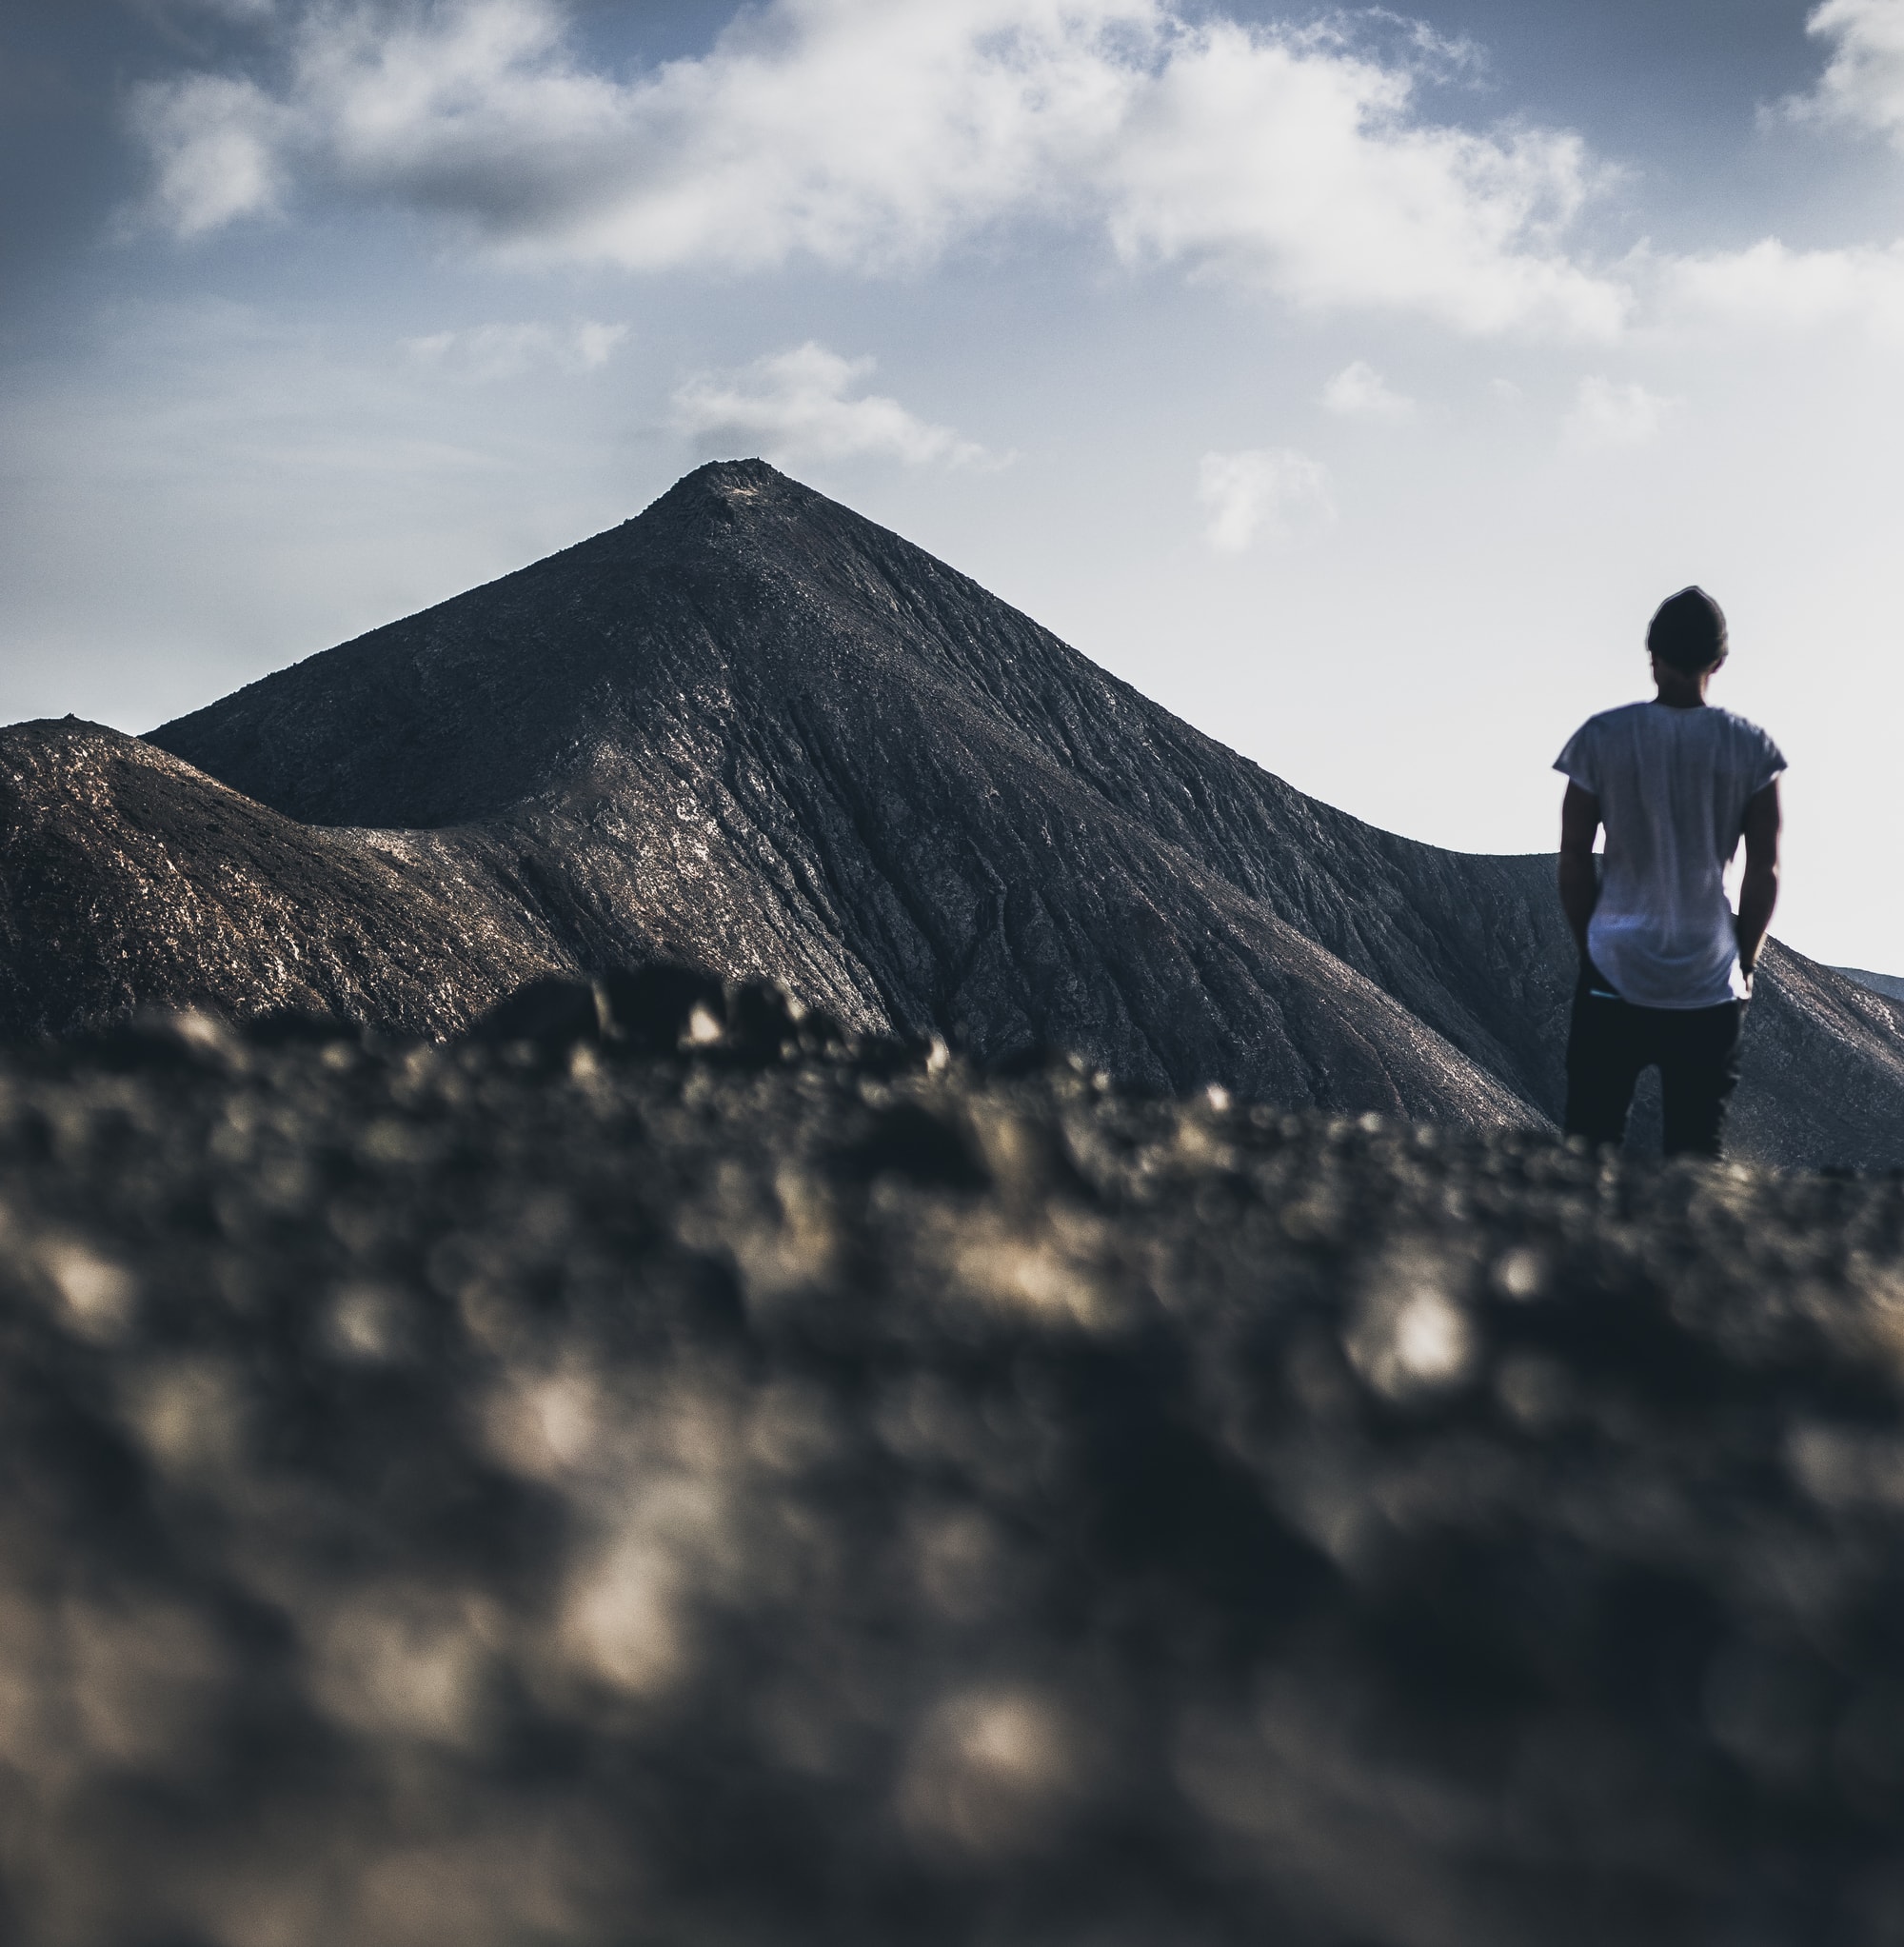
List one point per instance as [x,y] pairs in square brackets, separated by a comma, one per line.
[1689,631]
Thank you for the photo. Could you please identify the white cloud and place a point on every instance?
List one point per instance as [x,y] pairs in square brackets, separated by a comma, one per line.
[1291,160]
[596,343]
[218,150]
[1770,287]
[1359,392]
[869,135]
[1608,416]
[1268,494]
[794,405]
[488,353]
[1863,83]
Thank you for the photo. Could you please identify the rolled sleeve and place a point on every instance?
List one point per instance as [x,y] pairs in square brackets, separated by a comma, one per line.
[1771,765]
[1580,761]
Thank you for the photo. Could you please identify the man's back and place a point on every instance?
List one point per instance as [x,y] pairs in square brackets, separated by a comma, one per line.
[1665,966]
[1673,787]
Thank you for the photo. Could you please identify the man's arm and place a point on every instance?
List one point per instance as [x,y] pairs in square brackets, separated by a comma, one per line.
[1758,888]
[1579,883]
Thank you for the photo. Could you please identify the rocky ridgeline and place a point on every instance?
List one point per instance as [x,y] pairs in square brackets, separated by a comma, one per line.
[663,1471]
[752,732]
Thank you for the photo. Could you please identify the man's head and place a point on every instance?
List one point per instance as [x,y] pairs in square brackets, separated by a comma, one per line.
[1688,635]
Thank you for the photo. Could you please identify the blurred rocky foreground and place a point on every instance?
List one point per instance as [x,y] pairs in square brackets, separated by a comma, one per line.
[661,1472]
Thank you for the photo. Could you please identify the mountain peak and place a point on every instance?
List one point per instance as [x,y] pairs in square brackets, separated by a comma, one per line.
[753,731]
[723,491]
[735,580]
[738,480]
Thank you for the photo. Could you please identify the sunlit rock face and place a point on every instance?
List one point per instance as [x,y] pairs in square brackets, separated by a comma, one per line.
[667,1472]
[127,878]
[751,731]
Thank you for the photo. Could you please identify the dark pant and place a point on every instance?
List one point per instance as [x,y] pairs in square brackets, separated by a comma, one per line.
[1695,1050]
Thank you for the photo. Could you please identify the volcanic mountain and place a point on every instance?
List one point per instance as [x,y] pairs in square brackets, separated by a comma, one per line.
[754,732]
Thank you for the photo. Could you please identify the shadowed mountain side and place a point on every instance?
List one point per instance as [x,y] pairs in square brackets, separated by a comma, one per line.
[830,699]
[986,894]
[130,878]
[126,878]
[797,745]
[1891,986]
[1824,1074]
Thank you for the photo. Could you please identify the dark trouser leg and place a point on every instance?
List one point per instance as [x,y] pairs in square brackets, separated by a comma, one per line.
[1603,1062]
[1699,1070]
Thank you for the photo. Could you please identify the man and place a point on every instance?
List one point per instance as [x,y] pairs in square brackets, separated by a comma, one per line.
[1666,969]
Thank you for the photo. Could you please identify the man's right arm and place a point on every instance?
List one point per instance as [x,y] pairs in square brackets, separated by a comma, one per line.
[1758,887]
[1579,882]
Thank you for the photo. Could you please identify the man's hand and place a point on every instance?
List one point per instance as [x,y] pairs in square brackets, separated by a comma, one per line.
[1579,882]
[1758,888]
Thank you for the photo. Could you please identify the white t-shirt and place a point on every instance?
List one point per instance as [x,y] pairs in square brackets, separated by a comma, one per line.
[1673,787]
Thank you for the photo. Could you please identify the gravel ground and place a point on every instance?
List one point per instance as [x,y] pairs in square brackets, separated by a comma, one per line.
[713,1482]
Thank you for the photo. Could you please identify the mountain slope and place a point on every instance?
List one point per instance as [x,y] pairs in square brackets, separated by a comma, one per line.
[947,786]
[789,742]
[752,731]
[919,766]
[1890,985]
[126,877]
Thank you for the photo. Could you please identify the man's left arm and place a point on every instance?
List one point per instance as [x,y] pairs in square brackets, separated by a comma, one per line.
[1758,888]
[1580,879]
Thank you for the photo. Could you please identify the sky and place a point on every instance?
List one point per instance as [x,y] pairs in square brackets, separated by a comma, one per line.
[1354,383]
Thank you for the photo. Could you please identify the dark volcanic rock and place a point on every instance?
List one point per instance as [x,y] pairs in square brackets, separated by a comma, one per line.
[754,733]
[775,740]
[127,878]
[1890,985]
[523,1492]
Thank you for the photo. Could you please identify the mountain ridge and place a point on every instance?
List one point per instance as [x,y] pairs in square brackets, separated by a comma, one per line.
[917,674]
[752,732]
